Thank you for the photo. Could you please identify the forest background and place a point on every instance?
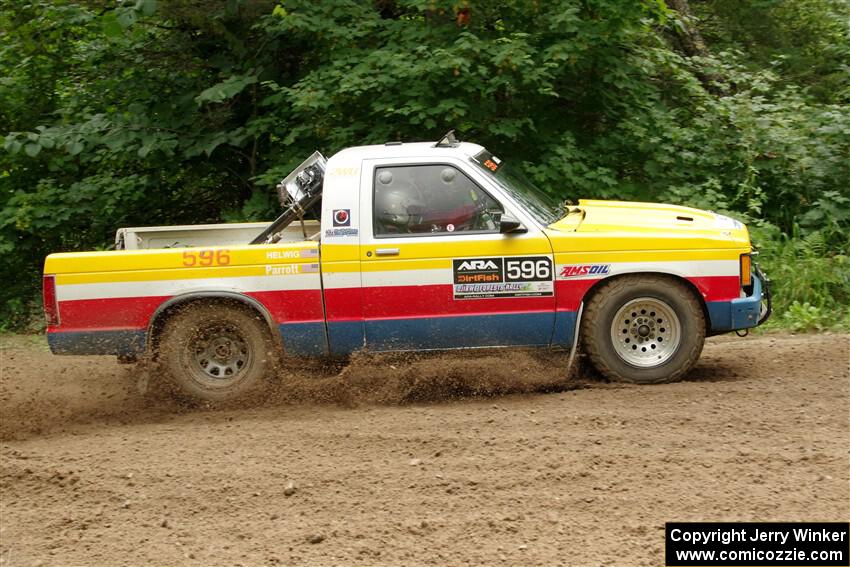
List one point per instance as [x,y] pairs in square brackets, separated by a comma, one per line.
[152,112]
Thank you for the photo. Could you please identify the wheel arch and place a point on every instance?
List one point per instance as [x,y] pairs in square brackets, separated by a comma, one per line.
[600,285]
[168,308]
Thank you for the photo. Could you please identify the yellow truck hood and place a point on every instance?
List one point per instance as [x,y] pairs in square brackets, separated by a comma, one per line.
[650,225]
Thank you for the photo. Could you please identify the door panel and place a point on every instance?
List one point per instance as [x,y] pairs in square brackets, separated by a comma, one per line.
[471,287]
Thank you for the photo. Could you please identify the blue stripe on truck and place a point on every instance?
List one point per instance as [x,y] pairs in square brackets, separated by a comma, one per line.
[309,339]
[304,339]
[504,329]
[741,313]
[565,328]
[345,337]
[125,341]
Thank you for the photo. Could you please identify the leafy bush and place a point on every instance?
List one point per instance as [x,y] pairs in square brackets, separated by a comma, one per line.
[810,285]
[182,111]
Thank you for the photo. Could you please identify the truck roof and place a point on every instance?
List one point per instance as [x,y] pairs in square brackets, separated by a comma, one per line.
[415,149]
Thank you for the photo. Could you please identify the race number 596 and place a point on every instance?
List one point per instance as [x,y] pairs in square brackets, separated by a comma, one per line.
[528,269]
[206,258]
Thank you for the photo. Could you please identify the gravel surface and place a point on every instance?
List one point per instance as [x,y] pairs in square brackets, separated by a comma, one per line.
[489,458]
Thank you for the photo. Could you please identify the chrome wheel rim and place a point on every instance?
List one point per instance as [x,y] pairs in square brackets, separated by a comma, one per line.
[646,332]
[219,356]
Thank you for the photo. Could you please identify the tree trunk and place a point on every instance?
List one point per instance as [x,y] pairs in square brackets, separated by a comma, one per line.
[692,42]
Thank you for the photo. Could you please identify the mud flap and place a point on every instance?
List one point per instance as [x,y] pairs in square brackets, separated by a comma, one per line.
[574,347]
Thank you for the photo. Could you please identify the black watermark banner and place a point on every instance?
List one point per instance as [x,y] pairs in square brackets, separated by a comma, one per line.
[744,544]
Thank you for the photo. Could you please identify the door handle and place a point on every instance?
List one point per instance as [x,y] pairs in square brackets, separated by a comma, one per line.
[386,251]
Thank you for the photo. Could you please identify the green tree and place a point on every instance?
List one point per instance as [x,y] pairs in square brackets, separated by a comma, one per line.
[177,111]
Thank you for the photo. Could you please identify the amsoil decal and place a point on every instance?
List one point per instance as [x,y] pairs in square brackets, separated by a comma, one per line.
[342,217]
[479,278]
[584,270]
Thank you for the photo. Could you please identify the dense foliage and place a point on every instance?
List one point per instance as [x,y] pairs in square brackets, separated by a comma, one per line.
[179,111]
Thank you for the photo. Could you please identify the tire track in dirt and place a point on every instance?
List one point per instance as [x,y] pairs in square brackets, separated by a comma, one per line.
[483,458]
[41,393]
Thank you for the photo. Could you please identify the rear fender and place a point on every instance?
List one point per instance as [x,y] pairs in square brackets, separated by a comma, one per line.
[163,311]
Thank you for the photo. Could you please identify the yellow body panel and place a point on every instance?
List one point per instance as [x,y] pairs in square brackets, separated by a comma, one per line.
[601,231]
[340,252]
[610,231]
[181,273]
[176,258]
[612,256]
[624,231]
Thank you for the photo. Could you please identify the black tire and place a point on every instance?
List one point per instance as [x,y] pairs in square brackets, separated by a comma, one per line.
[216,352]
[635,357]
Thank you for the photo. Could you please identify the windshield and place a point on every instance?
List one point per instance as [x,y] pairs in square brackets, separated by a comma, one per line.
[544,208]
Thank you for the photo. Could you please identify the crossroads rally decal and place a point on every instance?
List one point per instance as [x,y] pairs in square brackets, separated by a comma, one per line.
[482,278]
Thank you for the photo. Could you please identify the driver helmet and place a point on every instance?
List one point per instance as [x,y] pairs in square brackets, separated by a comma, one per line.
[397,203]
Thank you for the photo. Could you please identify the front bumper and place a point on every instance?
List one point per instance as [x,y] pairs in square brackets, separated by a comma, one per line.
[747,311]
[744,312]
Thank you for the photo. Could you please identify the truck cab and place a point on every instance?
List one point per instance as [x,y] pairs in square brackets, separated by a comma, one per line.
[418,246]
[435,254]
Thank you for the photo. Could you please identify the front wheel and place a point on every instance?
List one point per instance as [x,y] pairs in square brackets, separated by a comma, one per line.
[643,329]
[216,351]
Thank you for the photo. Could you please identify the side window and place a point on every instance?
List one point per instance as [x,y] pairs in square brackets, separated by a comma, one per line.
[431,199]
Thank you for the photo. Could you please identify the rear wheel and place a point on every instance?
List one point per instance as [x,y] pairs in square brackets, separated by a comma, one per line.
[644,329]
[216,351]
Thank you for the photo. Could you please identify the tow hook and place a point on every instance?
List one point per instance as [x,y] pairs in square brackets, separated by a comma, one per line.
[742,332]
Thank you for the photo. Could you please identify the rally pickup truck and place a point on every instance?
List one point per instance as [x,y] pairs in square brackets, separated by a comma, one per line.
[418,246]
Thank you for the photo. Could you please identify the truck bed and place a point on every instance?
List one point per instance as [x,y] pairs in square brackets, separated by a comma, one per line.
[188,236]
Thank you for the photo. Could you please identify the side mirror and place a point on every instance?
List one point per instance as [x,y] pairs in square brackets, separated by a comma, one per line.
[508,224]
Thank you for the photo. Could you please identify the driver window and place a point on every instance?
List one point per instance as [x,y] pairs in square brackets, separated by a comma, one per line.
[431,199]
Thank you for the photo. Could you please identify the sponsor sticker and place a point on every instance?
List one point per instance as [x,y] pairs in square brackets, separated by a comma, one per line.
[291,269]
[342,217]
[584,270]
[339,232]
[292,254]
[524,276]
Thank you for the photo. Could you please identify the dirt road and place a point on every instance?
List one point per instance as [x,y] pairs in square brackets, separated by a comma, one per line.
[484,459]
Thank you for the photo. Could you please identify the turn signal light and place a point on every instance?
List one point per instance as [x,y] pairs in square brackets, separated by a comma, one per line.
[51,307]
[746,270]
